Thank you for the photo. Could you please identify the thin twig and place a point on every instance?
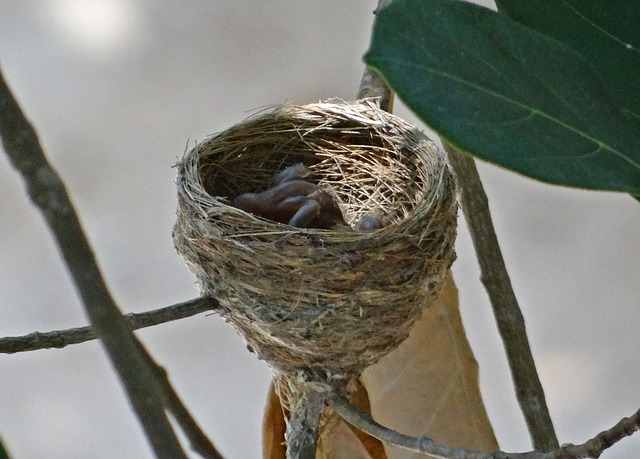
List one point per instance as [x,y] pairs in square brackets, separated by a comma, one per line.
[495,277]
[507,312]
[372,84]
[592,448]
[199,441]
[61,338]
[48,193]
[605,439]
[423,445]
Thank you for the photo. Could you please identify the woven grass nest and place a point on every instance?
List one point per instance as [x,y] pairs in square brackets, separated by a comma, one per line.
[327,301]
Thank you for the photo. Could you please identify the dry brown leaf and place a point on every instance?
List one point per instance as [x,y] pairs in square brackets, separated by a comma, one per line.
[429,384]
[338,440]
[273,428]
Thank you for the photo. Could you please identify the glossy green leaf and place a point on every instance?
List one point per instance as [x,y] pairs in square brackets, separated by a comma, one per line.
[606,33]
[505,93]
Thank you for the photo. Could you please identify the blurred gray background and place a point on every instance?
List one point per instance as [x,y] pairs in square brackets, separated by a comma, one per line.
[118,88]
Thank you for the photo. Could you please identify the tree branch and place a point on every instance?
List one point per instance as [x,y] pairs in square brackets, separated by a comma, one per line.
[304,420]
[199,441]
[592,448]
[46,190]
[372,84]
[495,278]
[605,439]
[507,312]
[58,339]
[61,338]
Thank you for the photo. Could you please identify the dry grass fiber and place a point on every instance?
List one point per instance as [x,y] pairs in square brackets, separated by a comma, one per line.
[326,301]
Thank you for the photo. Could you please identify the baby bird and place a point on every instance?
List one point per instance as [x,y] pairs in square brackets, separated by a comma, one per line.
[293,201]
[372,222]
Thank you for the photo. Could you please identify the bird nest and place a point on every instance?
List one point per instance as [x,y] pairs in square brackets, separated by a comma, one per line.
[327,301]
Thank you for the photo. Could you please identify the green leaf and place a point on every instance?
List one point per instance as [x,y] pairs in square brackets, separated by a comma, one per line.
[3,452]
[606,33]
[505,93]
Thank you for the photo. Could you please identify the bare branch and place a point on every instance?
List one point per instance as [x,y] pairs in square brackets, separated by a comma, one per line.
[592,448]
[48,193]
[372,84]
[495,277]
[199,441]
[507,312]
[304,421]
[605,439]
[58,339]
[423,445]
[61,338]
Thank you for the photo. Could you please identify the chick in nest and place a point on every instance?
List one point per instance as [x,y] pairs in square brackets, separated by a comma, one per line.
[293,201]
[300,203]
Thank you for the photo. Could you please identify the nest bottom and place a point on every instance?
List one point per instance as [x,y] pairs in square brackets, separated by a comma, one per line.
[328,336]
